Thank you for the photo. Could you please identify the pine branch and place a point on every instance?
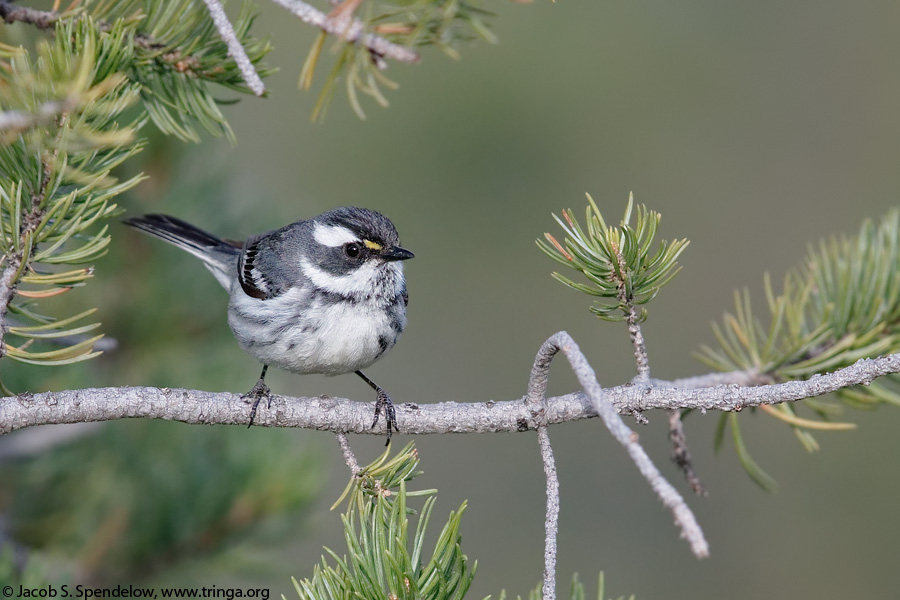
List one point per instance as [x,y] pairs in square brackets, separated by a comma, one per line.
[55,183]
[619,263]
[841,305]
[562,342]
[41,19]
[368,34]
[345,416]
[349,29]
[176,51]
[63,132]
[534,411]
[366,43]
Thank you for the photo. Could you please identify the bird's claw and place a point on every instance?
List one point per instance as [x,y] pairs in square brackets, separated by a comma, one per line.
[257,393]
[384,404]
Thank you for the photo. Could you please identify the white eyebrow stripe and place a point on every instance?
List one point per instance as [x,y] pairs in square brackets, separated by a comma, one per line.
[333,235]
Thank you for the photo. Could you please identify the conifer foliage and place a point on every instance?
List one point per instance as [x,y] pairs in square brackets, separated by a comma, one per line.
[72,106]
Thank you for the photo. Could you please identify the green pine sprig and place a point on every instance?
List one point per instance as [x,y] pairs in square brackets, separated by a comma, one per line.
[70,112]
[179,57]
[842,305]
[56,181]
[409,23]
[620,263]
[385,557]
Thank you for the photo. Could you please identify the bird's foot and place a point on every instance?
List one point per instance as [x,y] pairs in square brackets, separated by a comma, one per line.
[383,404]
[259,392]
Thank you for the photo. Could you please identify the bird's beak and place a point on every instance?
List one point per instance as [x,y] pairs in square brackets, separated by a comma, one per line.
[397,253]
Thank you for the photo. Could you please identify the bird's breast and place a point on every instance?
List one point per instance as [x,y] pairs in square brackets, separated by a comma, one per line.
[314,332]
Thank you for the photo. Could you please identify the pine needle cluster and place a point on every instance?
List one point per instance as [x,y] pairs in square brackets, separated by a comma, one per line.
[385,558]
[56,185]
[71,111]
[841,306]
[618,262]
[409,24]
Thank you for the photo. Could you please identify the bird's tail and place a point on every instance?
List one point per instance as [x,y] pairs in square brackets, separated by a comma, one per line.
[219,256]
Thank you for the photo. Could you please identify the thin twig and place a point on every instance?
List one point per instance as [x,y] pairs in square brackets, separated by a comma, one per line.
[681,456]
[637,341]
[536,401]
[45,19]
[671,499]
[235,48]
[347,451]
[349,29]
[626,302]
[641,360]
[551,519]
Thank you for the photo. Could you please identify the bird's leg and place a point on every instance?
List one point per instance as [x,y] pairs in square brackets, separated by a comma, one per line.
[382,404]
[257,393]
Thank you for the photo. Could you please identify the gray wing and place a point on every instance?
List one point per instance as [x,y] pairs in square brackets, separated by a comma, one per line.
[270,262]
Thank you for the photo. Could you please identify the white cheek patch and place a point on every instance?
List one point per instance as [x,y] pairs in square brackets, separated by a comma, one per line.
[333,235]
[360,282]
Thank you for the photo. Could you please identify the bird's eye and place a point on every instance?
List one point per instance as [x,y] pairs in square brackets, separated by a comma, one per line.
[352,250]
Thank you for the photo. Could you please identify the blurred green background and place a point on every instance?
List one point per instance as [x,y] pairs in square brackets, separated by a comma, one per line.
[754,128]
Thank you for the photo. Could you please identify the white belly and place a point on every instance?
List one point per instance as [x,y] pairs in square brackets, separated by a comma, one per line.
[329,338]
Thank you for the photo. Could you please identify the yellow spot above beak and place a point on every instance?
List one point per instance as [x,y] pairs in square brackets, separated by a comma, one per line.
[372,245]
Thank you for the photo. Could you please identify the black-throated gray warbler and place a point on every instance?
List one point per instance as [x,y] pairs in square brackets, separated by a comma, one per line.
[325,295]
